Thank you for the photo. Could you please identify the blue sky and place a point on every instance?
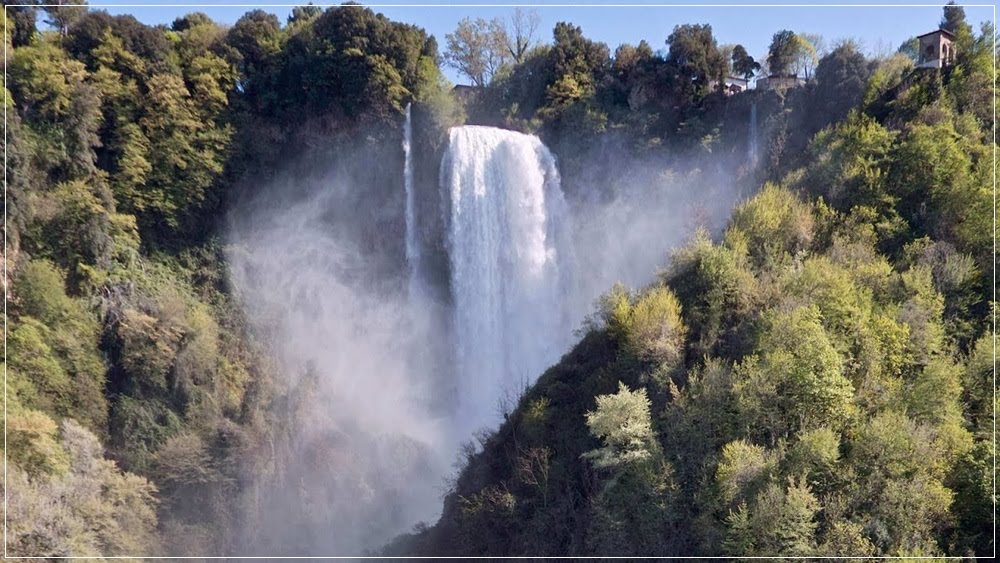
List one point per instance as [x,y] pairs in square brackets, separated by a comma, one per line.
[876,28]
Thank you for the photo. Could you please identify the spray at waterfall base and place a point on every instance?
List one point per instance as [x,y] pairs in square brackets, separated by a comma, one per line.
[392,377]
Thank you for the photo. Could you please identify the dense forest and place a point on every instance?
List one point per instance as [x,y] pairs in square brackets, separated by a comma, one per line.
[813,375]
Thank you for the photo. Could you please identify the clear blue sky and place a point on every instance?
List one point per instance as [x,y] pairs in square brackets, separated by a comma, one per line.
[875,28]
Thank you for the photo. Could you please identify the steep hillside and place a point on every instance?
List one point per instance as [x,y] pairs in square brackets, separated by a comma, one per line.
[816,381]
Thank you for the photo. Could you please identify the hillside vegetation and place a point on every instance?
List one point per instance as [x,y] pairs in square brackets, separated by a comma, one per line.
[816,381]
[142,412]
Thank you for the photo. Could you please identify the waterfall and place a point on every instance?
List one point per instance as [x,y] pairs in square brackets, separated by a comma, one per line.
[412,244]
[508,253]
[752,144]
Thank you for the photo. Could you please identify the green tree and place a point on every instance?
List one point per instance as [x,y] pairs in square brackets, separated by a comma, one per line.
[145,42]
[477,49]
[695,55]
[634,511]
[910,48]
[256,39]
[651,328]
[850,165]
[953,19]
[841,76]
[718,286]
[899,467]
[815,458]
[81,213]
[54,97]
[781,522]
[91,510]
[978,387]
[21,20]
[64,13]
[302,15]
[774,224]
[972,482]
[782,53]
[33,445]
[743,63]
[971,79]
[933,177]
[192,20]
[786,389]
[806,55]
[623,423]
[185,156]
[744,469]
[55,365]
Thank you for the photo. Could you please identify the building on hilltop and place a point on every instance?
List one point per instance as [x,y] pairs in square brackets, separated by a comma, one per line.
[734,85]
[937,49]
[779,82]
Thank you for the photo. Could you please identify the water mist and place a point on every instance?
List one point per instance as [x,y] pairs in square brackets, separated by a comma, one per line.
[379,379]
[363,452]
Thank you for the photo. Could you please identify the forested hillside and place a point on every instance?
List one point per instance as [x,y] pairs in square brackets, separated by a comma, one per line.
[141,411]
[818,380]
[815,379]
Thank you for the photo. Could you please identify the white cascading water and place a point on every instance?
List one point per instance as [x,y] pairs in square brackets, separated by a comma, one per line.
[412,243]
[753,135]
[508,254]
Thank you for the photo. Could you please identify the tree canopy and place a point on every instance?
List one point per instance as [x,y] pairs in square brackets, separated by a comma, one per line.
[813,378]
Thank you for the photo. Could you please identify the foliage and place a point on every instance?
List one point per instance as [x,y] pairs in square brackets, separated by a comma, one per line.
[833,385]
[818,380]
[743,471]
[774,225]
[122,141]
[851,164]
[650,328]
[54,363]
[477,49]
[743,64]
[90,509]
[806,55]
[782,53]
[786,389]
[481,49]
[780,522]
[696,58]
[622,422]
[953,19]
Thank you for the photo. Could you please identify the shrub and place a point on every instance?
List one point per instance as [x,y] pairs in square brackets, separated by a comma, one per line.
[743,470]
[623,423]
[780,522]
[655,330]
[91,510]
[790,387]
[54,356]
[775,224]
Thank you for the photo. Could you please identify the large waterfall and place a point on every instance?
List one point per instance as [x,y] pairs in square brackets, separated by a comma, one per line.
[752,143]
[506,240]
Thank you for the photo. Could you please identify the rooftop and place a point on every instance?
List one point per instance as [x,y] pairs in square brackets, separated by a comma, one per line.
[944,31]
